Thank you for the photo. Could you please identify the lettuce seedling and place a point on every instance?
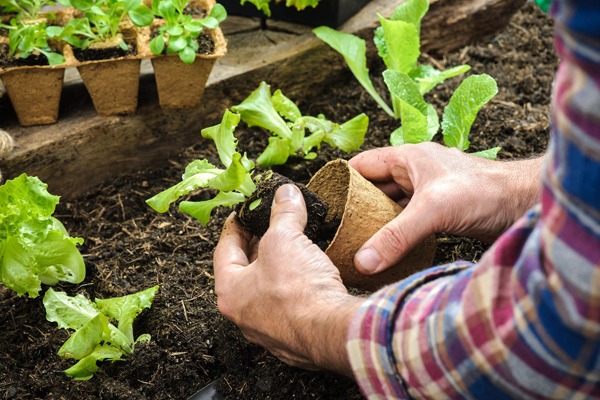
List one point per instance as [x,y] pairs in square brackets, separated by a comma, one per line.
[102,20]
[26,9]
[27,39]
[35,247]
[420,120]
[398,44]
[95,337]
[263,5]
[234,183]
[271,112]
[180,31]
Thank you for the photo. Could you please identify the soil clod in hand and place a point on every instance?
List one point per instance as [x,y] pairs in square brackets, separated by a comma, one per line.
[257,220]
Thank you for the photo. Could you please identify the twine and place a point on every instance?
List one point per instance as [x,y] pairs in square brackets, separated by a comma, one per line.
[6,144]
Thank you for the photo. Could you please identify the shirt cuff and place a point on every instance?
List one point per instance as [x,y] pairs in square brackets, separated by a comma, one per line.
[369,340]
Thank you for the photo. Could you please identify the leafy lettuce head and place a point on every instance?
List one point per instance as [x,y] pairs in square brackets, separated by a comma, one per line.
[35,247]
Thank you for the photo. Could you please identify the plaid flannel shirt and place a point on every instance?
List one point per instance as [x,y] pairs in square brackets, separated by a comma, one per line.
[525,321]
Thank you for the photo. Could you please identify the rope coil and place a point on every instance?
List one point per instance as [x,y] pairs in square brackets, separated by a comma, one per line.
[7,144]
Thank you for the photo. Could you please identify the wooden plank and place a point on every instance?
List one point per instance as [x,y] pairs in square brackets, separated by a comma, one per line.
[84,149]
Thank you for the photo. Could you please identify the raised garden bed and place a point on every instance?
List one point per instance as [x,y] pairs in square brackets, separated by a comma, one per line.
[129,247]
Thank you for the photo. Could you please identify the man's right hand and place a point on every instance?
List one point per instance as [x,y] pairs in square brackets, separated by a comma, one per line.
[443,190]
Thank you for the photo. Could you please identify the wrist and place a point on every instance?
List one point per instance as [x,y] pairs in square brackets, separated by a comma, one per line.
[322,329]
[524,185]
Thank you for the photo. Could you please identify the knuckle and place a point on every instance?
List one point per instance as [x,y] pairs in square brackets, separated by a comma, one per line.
[392,239]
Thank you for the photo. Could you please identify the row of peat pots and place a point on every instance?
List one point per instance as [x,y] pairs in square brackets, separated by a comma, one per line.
[111,76]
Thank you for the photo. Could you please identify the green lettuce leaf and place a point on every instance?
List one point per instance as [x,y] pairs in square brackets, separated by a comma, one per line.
[411,12]
[429,77]
[85,368]
[398,44]
[232,177]
[201,210]
[83,342]
[465,103]
[350,135]
[353,49]
[285,107]
[35,247]
[258,110]
[222,135]
[124,309]
[420,121]
[261,5]
[276,152]
[490,154]
[68,312]
[301,4]
[197,175]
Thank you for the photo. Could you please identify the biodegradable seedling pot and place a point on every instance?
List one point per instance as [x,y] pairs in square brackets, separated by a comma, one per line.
[34,93]
[363,210]
[181,85]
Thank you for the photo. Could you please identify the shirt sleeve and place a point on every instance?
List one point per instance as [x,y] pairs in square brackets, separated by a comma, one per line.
[525,321]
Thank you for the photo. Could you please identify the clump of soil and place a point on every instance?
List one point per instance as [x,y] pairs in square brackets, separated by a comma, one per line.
[195,11]
[128,247]
[108,53]
[257,220]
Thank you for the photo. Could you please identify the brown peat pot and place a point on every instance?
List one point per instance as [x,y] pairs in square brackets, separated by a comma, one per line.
[34,93]
[363,210]
[181,85]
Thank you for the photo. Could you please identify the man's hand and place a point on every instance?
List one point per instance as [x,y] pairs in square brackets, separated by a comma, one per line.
[443,190]
[284,293]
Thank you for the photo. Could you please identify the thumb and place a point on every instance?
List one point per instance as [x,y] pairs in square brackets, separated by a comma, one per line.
[288,210]
[392,242]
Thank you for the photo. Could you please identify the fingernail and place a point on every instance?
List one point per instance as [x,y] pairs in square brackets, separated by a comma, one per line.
[369,259]
[286,192]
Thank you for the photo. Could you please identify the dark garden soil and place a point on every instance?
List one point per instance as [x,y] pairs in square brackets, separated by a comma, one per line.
[128,247]
[6,61]
[107,53]
[256,219]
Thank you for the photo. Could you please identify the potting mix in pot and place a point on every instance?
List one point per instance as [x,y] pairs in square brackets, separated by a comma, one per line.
[140,311]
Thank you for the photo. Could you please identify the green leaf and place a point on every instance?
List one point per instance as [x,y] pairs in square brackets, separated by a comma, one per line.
[176,30]
[54,59]
[197,175]
[301,4]
[428,77]
[84,369]
[123,45]
[465,103]
[222,135]
[187,55]
[83,342]
[489,154]
[401,86]
[350,135]
[68,312]
[157,45]
[201,210]
[176,44]
[218,12]
[399,45]
[35,247]
[258,110]
[167,10]
[261,5]
[254,204]
[276,153]
[411,12]
[54,31]
[285,107]
[141,16]
[232,177]
[353,49]
[210,22]
[124,309]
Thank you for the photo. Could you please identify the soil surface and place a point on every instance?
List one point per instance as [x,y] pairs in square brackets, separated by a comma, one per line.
[128,247]
[107,53]
[6,61]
